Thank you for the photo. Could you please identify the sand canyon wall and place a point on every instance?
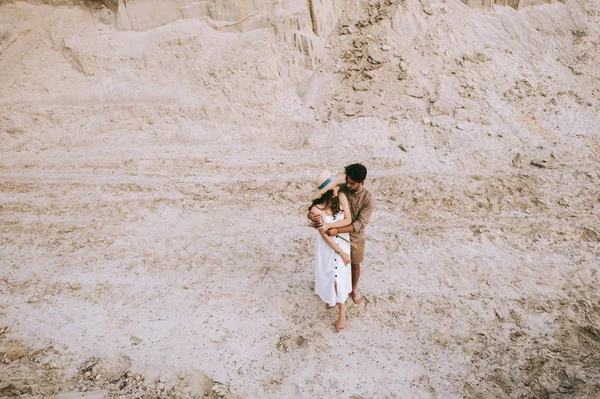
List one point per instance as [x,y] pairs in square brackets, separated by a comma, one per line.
[146,173]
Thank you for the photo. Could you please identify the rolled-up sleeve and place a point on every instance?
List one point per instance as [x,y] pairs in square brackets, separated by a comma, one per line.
[364,215]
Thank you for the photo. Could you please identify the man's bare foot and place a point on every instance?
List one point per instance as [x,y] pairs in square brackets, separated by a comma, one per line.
[341,321]
[357,297]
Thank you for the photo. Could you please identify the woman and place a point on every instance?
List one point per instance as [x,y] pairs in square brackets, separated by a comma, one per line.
[333,278]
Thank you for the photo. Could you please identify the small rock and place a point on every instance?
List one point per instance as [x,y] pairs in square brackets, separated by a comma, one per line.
[563,202]
[576,70]
[427,10]
[10,390]
[15,352]
[426,121]
[14,130]
[361,86]
[334,115]
[220,389]
[462,114]
[369,75]
[441,107]
[403,66]
[460,126]
[351,109]
[402,147]
[415,92]
[3,306]
[482,57]
[162,379]
[32,300]
[374,57]
[385,47]
[539,164]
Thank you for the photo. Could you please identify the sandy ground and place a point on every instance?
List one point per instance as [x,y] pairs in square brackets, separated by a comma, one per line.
[154,186]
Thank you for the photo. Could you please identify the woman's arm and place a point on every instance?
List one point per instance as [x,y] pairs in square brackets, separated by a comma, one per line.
[315,216]
[347,215]
[334,246]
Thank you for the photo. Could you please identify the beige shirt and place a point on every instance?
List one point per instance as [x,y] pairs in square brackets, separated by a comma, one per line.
[361,203]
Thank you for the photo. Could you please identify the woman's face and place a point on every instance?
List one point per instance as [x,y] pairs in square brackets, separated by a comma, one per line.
[335,189]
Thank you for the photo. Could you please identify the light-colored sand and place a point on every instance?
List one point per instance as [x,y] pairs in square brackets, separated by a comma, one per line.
[153,188]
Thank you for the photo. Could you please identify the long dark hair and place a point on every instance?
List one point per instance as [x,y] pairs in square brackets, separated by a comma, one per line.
[330,202]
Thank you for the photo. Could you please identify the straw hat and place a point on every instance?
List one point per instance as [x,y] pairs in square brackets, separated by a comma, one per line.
[325,182]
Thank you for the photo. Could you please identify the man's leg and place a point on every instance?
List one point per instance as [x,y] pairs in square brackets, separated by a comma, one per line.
[355,277]
[357,253]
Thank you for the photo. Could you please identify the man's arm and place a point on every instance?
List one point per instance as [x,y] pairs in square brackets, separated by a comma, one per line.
[334,231]
[360,223]
[364,215]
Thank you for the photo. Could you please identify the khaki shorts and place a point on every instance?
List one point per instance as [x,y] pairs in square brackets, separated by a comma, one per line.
[357,252]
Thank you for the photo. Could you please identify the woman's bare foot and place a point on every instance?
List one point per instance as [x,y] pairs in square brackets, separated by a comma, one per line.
[357,297]
[328,306]
[341,321]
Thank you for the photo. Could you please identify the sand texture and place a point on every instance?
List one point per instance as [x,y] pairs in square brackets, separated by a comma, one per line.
[156,170]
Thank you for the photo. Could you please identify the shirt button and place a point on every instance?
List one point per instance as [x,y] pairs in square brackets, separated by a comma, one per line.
[336,275]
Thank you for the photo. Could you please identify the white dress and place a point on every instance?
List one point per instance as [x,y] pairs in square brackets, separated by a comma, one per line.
[329,267]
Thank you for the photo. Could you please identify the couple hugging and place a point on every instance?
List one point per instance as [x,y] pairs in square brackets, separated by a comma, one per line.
[340,214]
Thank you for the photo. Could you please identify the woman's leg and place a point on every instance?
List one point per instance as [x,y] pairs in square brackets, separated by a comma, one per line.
[341,321]
[340,324]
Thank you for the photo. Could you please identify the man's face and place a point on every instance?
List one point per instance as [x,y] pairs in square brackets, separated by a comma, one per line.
[352,185]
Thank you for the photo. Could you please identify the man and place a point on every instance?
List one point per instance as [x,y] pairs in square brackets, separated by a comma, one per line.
[361,207]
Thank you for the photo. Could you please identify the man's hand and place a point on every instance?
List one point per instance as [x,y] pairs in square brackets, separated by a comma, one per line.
[331,231]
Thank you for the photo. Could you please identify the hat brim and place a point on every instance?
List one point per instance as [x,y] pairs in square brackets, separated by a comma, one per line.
[336,180]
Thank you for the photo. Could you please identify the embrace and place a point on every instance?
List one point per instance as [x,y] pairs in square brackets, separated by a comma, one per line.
[340,213]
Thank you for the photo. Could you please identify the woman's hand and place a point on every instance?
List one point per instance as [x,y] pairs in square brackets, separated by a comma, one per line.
[315,218]
[345,258]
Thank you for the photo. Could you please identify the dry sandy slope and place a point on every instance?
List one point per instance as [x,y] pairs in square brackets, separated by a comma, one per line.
[153,187]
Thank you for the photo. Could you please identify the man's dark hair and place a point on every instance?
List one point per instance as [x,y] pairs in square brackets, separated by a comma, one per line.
[357,172]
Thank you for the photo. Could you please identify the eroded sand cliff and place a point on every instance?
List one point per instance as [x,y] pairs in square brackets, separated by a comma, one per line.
[155,170]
